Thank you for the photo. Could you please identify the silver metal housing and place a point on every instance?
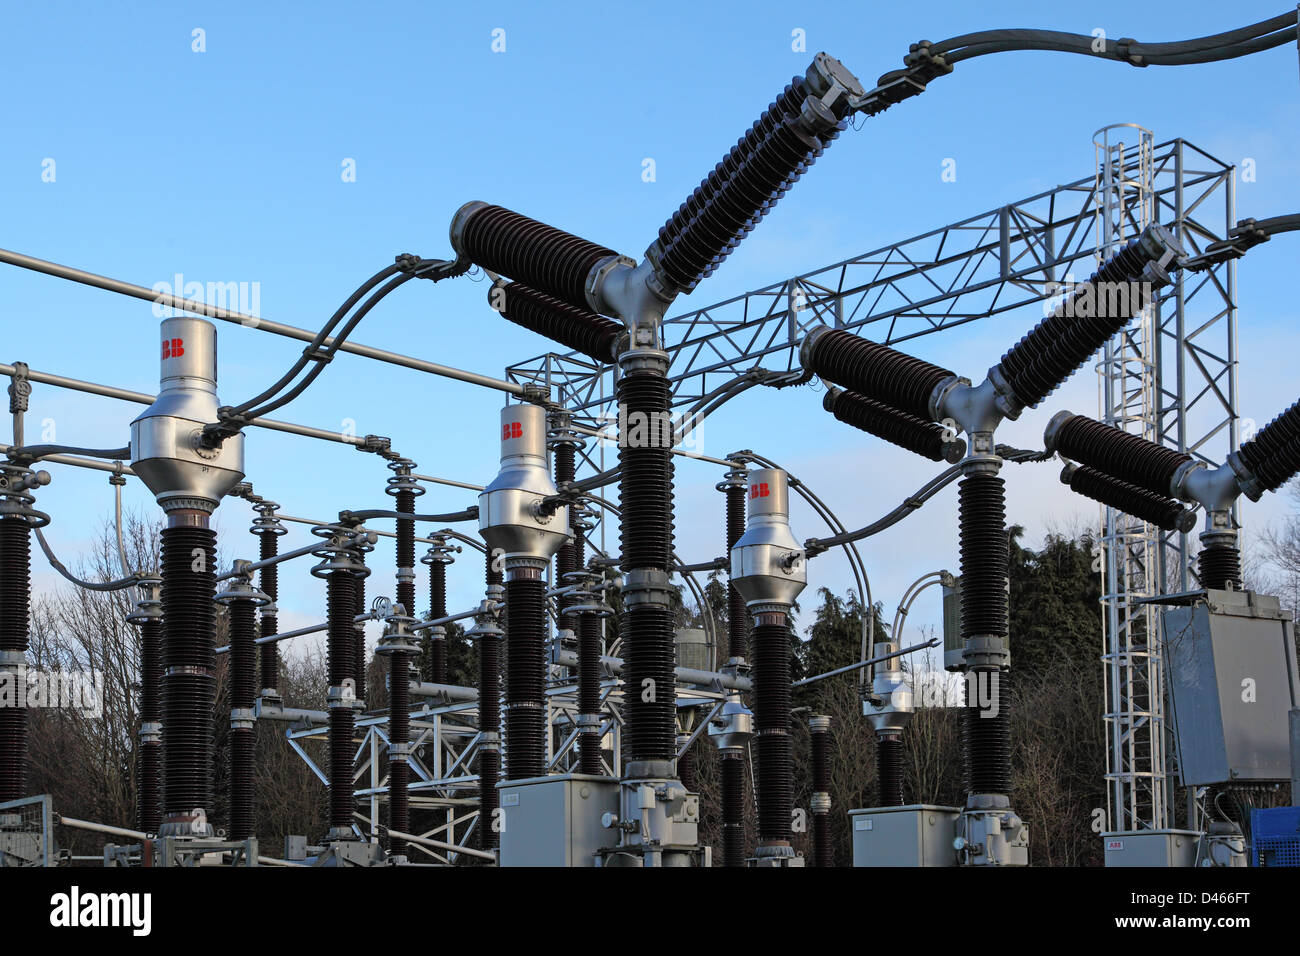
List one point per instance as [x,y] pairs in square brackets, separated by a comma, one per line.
[768,566]
[165,449]
[988,836]
[890,687]
[733,726]
[509,516]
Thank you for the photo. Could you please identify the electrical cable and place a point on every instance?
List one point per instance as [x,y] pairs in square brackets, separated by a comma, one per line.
[119,585]
[37,452]
[323,348]
[325,354]
[468,514]
[815,546]
[316,343]
[927,61]
[1271,226]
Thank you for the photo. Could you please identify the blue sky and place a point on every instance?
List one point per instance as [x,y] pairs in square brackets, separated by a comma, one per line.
[225,165]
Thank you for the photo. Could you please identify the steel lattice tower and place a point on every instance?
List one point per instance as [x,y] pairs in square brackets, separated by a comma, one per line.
[1136,768]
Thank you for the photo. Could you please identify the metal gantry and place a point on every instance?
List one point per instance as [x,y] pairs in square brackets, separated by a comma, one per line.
[1170,377]
[1136,770]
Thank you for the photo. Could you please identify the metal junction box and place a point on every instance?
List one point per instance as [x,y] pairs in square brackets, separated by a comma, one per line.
[916,835]
[1164,848]
[1232,676]
[556,820]
[693,648]
[954,645]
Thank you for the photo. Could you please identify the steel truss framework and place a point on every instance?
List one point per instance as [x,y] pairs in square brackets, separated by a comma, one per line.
[1181,370]
[444,746]
[1133,663]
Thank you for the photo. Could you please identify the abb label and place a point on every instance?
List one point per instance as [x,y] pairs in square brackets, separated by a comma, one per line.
[512,430]
[173,348]
[759,490]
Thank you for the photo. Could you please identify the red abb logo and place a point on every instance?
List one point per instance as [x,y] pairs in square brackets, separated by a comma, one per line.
[512,430]
[759,490]
[173,348]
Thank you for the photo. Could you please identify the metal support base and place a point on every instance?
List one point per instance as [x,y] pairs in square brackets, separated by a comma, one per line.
[657,824]
[351,853]
[991,835]
[779,854]
[182,851]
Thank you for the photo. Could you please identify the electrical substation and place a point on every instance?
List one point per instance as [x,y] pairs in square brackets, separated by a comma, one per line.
[575,743]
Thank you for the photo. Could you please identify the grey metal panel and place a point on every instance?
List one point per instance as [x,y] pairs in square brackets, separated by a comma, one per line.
[1166,848]
[1233,681]
[693,649]
[954,645]
[915,835]
[556,821]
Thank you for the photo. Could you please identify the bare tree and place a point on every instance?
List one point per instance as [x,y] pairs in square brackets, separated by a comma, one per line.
[86,758]
[1279,558]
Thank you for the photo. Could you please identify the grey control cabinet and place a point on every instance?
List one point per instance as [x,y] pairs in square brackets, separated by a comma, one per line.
[556,820]
[1233,682]
[1164,848]
[916,835]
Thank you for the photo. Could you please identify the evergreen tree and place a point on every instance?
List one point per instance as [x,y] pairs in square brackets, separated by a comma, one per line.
[834,640]
[1055,606]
